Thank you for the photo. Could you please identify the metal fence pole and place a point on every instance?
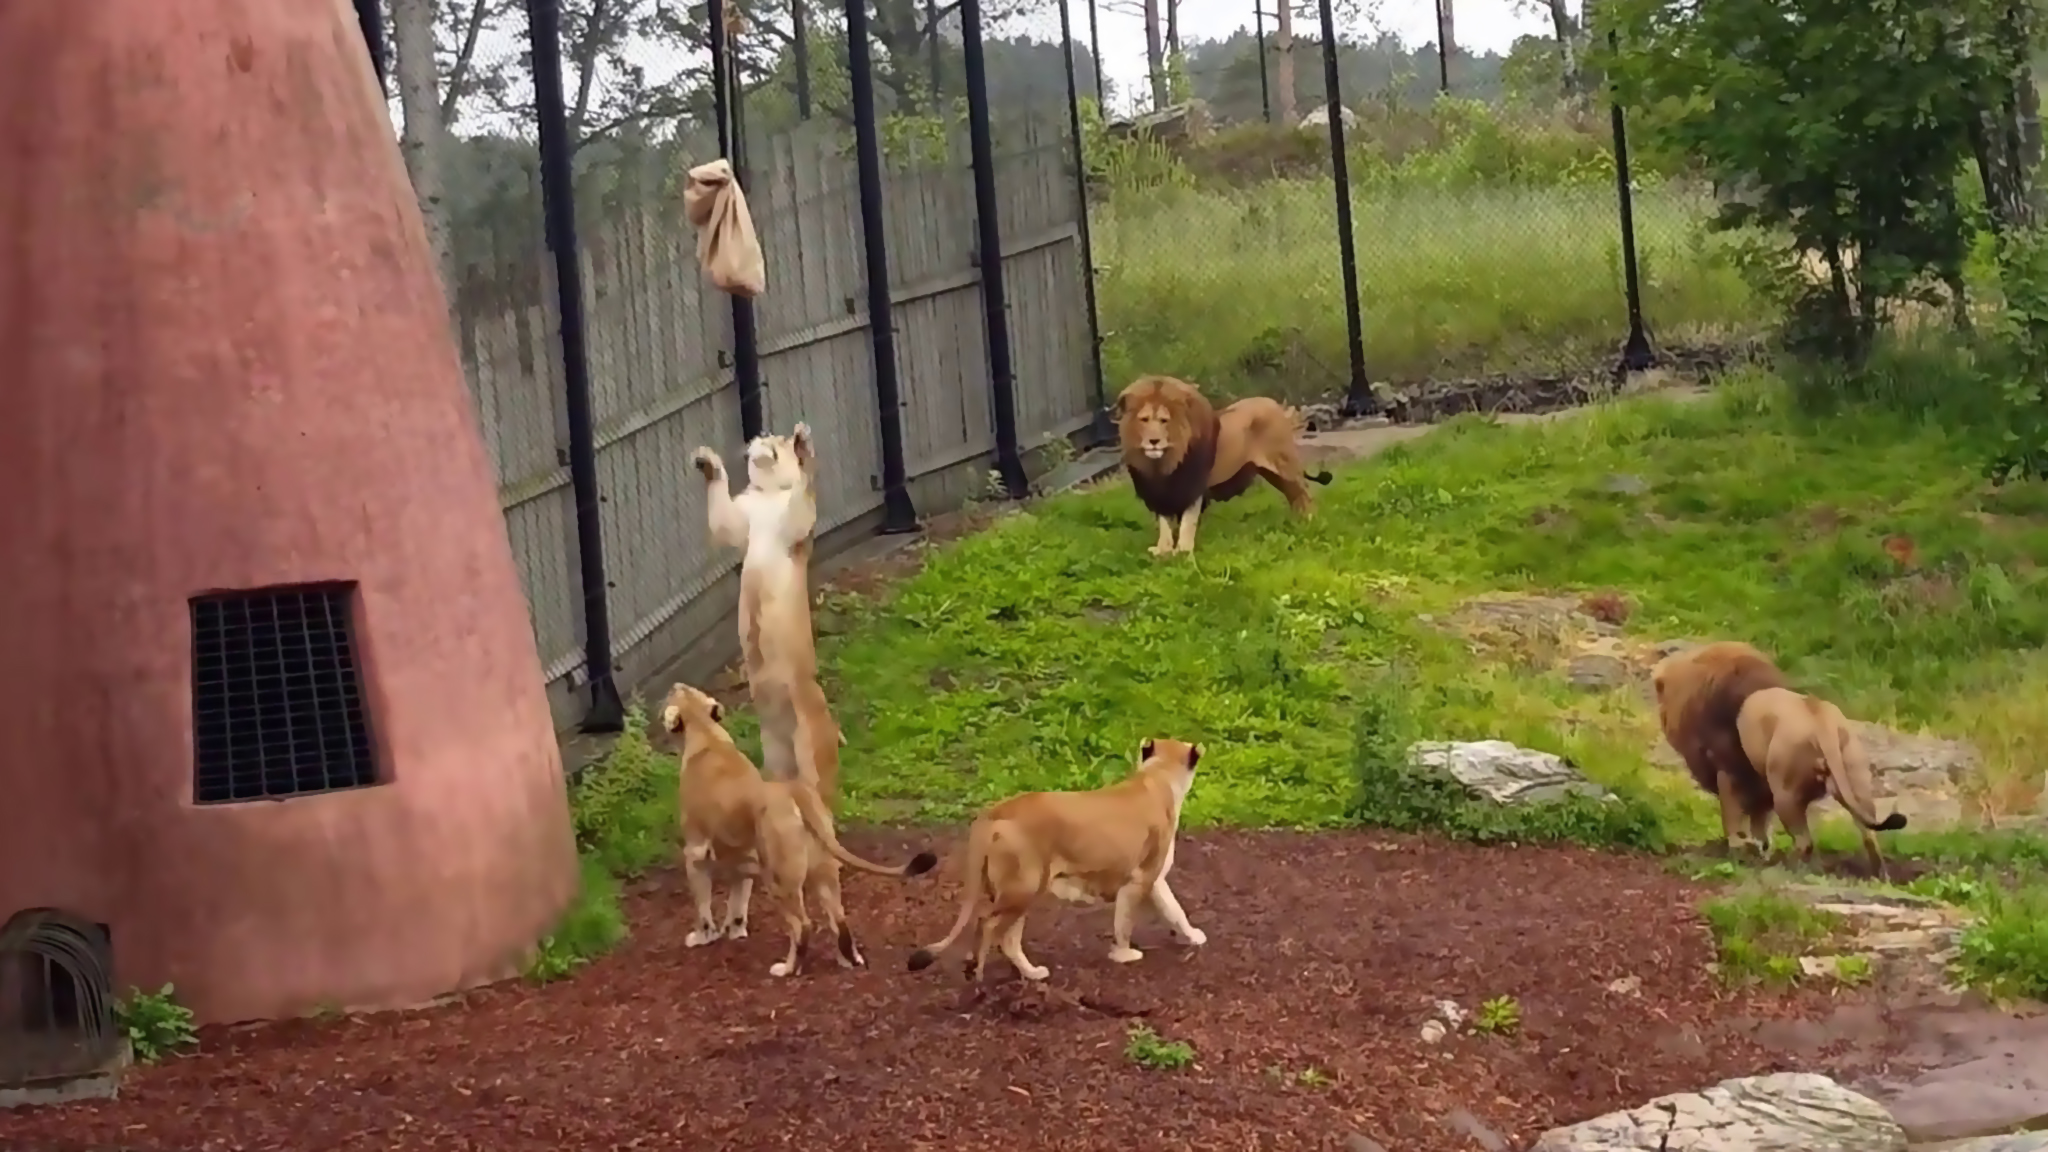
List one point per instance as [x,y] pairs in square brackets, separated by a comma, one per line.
[800,54]
[1265,85]
[1358,398]
[1635,354]
[1095,57]
[1443,51]
[899,515]
[370,14]
[1102,430]
[725,108]
[607,711]
[995,308]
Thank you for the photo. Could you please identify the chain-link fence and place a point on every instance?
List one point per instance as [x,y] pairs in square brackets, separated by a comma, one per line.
[884,155]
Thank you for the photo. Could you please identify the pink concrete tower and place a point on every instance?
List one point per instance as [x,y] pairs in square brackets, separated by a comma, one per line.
[271,720]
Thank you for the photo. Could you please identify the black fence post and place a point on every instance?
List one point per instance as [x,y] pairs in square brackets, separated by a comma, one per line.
[899,515]
[1636,354]
[607,711]
[1265,85]
[1102,429]
[370,14]
[725,108]
[800,53]
[1095,57]
[995,308]
[1443,52]
[1358,398]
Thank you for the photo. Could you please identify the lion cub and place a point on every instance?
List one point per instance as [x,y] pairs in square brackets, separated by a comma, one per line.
[737,826]
[1085,847]
[1805,749]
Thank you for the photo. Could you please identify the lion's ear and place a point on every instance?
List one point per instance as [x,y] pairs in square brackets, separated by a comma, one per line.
[1145,751]
[717,712]
[1194,754]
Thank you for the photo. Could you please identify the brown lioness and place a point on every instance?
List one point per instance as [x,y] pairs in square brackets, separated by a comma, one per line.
[1112,843]
[772,522]
[1182,454]
[737,826]
[1806,749]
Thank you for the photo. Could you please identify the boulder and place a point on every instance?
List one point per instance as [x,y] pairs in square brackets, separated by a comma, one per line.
[1502,772]
[1319,117]
[1782,1112]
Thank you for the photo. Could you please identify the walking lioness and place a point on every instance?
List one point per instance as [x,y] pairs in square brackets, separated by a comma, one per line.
[737,826]
[1806,749]
[1114,843]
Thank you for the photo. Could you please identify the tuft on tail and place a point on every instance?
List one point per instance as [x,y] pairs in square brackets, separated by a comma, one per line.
[1891,823]
[818,822]
[1322,477]
[922,959]
[921,863]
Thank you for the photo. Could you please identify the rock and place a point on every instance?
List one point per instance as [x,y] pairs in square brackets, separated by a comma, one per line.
[1782,1112]
[1319,117]
[1597,673]
[1623,484]
[1449,1012]
[1433,1031]
[2020,1142]
[1359,1142]
[1995,1093]
[1459,1120]
[1626,986]
[1504,773]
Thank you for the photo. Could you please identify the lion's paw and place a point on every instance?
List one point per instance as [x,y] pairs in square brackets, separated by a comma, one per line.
[708,934]
[708,463]
[1193,936]
[737,930]
[1161,550]
[1125,955]
[781,968]
[1035,972]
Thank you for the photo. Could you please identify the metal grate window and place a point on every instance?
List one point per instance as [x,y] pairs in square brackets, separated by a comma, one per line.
[277,697]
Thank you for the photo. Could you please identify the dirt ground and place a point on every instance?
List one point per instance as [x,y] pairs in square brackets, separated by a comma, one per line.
[1305,1012]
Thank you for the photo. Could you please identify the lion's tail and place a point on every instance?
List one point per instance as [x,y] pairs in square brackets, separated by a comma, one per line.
[1849,778]
[1296,425]
[971,884]
[818,822]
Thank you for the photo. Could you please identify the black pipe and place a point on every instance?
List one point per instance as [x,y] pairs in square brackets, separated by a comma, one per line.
[370,15]
[1635,354]
[995,309]
[1265,87]
[1443,50]
[1358,398]
[607,712]
[931,30]
[1102,430]
[725,109]
[1095,58]
[899,515]
[800,50]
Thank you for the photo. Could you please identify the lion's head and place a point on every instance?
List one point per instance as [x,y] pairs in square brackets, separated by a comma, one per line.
[1155,417]
[687,706]
[779,463]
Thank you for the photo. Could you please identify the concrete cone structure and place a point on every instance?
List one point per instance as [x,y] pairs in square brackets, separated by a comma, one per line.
[230,389]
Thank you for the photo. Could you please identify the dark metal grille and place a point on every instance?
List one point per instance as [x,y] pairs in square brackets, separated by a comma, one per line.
[56,999]
[277,698]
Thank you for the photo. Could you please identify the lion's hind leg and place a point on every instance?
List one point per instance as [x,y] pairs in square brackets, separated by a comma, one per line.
[1013,948]
[824,886]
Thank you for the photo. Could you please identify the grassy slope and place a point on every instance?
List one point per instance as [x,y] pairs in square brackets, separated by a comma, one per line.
[1209,285]
[1038,654]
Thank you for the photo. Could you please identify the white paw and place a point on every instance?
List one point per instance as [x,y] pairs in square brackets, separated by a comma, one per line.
[1161,549]
[781,968]
[1125,955]
[700,937]
[1035,972]
[1194,936]
[736,931]
[707,462]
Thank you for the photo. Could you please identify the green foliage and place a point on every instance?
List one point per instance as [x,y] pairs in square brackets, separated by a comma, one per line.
[2005,951]
[1397,796]
[1148,1049]
[155,1023]
[1761,935]
[2021,332]
[1500,1015]
[1849,120]
[623,810]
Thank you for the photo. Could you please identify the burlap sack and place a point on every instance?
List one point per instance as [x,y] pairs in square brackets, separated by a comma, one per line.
[726,244]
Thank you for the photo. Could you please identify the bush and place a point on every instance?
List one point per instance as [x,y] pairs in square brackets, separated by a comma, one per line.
[623,810]
[1395,795]
[2005,951]
[155,1024]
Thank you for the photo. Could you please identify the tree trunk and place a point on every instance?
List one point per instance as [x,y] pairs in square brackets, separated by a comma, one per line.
[423,140]
[2007,137]
[1173,28]
[1563,27]
[1449,47]
[1155,55]
[1283,65]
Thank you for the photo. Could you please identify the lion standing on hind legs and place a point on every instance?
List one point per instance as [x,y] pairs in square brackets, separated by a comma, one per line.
[1761,748]
[1181,453]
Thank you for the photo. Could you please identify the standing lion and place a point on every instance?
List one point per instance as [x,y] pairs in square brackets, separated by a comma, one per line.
[1181,453]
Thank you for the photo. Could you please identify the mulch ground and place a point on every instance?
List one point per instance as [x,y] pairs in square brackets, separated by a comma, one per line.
[1324,953]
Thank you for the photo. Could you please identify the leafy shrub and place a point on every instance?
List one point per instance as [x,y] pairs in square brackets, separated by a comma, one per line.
[155,1023]
[2005,951]
[1395,795]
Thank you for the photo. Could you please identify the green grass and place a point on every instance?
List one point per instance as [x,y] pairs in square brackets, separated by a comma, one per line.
[1241,288]
[1040,653]
[1760,936]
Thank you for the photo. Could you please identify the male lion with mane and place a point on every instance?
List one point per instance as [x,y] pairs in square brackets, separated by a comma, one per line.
[1182,453]
[1759,747]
